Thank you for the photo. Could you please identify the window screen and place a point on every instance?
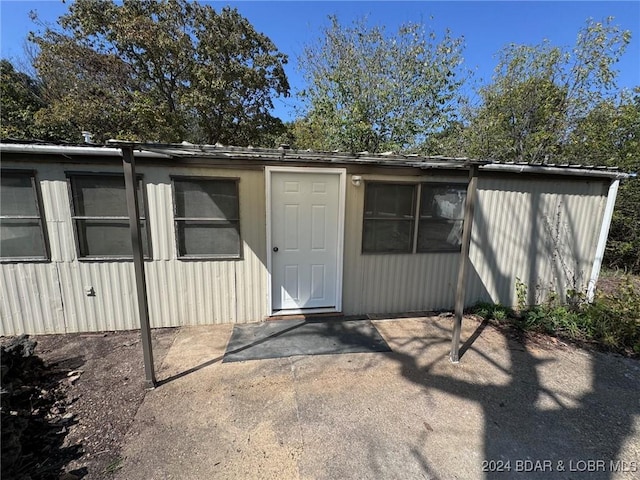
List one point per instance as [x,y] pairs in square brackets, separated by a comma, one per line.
[101,218]
[441,217]
[389,216]
[22,235]
[207,217]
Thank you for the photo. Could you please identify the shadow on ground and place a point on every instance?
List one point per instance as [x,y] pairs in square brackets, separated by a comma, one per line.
[530,429]
[532,409]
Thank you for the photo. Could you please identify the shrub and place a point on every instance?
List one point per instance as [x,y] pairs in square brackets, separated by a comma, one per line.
[623,245]
[615,318]
[493,311]
[611,321]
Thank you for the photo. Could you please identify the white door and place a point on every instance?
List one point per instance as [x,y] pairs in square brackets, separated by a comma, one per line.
[305,212]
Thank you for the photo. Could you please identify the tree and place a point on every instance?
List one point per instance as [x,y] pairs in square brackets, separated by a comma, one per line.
[559,105]
[539,94]
[20,97]
[304,134]
[623,244]
[521,122]
[449,142]
[367,91]
[610,135]
[86,90]
[161,71]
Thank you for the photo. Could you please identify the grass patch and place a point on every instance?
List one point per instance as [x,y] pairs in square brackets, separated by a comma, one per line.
[611,321]
[114,466]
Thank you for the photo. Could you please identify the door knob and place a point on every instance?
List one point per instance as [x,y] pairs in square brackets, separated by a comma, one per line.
[275,249]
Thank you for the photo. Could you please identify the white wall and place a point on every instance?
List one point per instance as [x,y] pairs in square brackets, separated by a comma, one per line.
[541,230]
[538,229]
[51,298]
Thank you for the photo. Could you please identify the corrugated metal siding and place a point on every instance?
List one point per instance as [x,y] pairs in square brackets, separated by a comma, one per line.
[110,308]
[388,283]
[30,300]
[180,292]
[251,273]
[399,283]
[542,231]
[194,292]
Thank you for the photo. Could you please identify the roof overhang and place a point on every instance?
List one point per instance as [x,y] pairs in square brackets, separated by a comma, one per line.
[570,170]
[89,150]
[218,153]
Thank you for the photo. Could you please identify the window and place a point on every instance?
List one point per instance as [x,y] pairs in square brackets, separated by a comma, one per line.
[391,224]
[23,235]
[389,218]
[207,217]
[441,217]
[100,216]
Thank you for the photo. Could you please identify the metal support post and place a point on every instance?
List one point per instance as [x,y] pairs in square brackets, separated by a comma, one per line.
[464,260]
[130,180]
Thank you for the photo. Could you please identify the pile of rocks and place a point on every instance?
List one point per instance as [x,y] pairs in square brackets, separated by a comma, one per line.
[33,408]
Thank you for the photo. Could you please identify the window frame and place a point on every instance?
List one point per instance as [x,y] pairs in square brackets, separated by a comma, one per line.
[41,218]
[417,204]
[205,220]
[143,219]
[449,222]
[415,212]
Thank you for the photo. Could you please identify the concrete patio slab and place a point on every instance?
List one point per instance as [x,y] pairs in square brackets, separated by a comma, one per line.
[408,413]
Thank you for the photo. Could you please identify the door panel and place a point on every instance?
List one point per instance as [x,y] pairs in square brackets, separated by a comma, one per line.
[304,240]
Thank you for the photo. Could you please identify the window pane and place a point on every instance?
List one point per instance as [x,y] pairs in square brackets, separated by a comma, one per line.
[387,236]
[21,238]
[102,196]
[17,196]
[391,201]
[446,202]
[207,199]
[108,238]
[439,235]
[202,239]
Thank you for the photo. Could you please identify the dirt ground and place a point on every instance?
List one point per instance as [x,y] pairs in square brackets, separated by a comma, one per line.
[106,396]
[611,281]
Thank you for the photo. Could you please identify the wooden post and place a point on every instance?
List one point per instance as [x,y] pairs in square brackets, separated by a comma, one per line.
[131,183]
[454,356]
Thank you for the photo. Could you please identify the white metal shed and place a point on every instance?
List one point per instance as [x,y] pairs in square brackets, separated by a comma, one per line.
[235,235]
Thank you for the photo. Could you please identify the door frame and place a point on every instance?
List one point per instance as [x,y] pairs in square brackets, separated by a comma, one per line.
[342,186]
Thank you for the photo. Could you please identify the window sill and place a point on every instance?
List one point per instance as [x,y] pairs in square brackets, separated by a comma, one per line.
[210,258]
[410,253]
[386,253]
[441,251]
[110,259]
[25,260]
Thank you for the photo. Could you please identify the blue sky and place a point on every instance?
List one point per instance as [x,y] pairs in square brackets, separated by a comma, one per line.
[486,26]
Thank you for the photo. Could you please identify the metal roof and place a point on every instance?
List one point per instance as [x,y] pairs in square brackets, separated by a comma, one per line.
[284,155]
